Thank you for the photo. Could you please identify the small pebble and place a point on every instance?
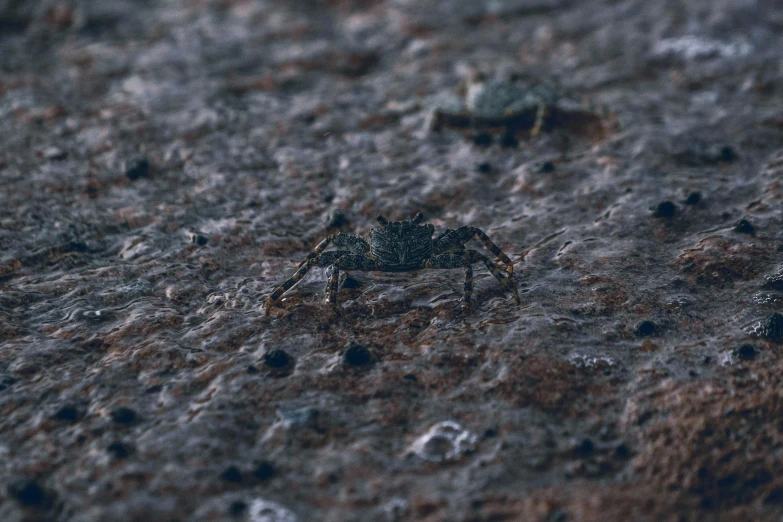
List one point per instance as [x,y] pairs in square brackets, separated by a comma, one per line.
[743,226]
[645,329]
[665,209]
[357,355]
[694,198]
[277,358]
[54,154]
[137,168]
[123,415]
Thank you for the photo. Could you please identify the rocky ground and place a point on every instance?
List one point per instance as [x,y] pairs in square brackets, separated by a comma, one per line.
[165,165]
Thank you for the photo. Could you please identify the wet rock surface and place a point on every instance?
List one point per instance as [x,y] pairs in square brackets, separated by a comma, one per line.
[165,165]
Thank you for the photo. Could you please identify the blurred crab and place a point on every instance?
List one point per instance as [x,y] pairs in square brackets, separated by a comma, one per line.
[510,107]
[402,246]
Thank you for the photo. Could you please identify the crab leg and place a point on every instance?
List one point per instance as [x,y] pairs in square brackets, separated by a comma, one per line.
[456,239]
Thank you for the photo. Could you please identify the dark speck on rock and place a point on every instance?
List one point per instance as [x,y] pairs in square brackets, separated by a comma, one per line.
[546,167]
[137,168]
[357,355]
[30,494]
[622,451]
[743,226]
[772,328]
[484,167]
[237,508]
[584,447]
[118,450]
[199,239]
[337,219]
[232,474]
[482,139]
[694,198]
[264,471]
[67,414]
[277,358]
[123,415]
[645,329]
[723,153]
[665,209]
[252,370]
[508,140]
[746,352]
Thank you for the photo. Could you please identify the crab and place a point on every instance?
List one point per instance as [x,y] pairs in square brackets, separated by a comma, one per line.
[511,107]
[402,246]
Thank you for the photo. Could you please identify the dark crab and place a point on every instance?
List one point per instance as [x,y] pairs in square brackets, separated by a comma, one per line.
[402,246]
[511,107]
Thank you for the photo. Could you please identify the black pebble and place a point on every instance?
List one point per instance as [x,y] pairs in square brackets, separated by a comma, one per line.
[665,209]
[137,168]
[645,329]
[237,508]
[694,198]
[67,414]
[264,471]
[357,355]
[773,328]
[199,240]
[743,226]
[232,474]
[277,358]
[123,415]
[30,493]
[484,167]
[336,219]
[118,450]
[490,432]
[746,352]
[252,369]
[482,139]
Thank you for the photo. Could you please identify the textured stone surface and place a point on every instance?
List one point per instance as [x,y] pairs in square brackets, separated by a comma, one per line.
[165,165]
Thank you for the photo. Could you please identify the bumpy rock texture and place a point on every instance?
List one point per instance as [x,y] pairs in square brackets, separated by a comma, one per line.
[164,165]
